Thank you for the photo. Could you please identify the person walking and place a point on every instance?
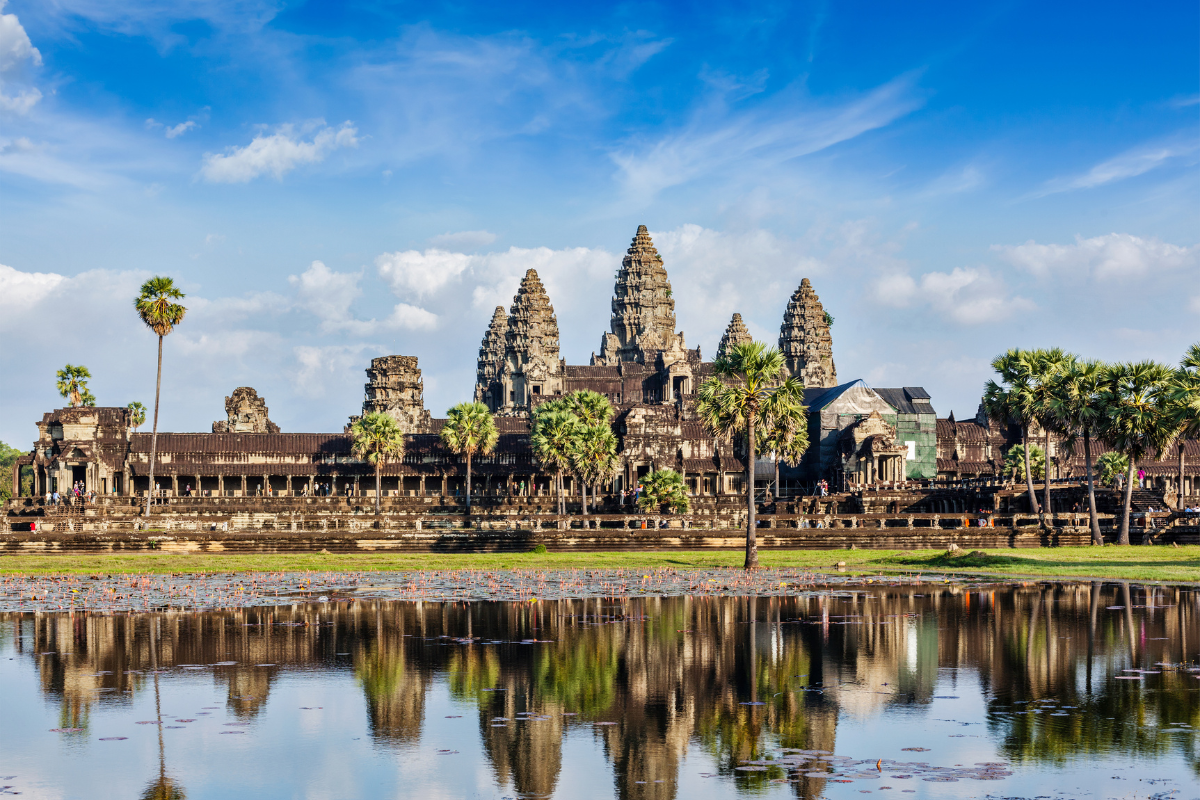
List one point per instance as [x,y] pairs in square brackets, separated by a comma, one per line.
[1141,478]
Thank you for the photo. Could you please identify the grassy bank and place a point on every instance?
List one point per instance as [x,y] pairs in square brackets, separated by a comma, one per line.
[1126,563]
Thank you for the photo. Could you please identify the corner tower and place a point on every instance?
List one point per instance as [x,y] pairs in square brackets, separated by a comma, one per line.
[735,334]
[805,340]
[643,311]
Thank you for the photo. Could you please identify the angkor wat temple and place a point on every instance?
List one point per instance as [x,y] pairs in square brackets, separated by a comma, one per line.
[860,436]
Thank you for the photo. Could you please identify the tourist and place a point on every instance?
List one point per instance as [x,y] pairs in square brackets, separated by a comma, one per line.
[637,493]
[1141,478]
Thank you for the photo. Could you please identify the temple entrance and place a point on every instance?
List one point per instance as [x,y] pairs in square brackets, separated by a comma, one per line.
[79,475]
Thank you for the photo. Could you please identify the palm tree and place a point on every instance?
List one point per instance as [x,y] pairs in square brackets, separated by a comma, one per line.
[377,439]
[664,487]
[1075,405]
[156,307]
[1136,419]
[470,429]
[1048,364]
[72,384]
[1015,462]
[594,458]
[554,432]
[743,391]
[1011,401]
[1184,397]
[137,414]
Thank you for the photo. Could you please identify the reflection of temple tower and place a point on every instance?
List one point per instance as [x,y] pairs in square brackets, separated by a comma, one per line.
[805,340]
[527,749]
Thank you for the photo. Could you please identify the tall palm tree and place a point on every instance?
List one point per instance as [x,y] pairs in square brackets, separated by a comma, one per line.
[1136,419]
[1047,365]
[470,429]
[137,415]
[743,391]
[594,457]
[156,306]
[377,439]
[1184,397]
[1011,401]
[72,384]
[554,432]
[1075,406]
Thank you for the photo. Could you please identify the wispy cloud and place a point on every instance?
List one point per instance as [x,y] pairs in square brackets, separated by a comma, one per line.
[1129,164]
[1114,255]
[276,154]
[782,128]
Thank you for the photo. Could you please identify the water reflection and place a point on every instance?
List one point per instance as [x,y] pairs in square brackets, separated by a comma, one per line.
[655,679]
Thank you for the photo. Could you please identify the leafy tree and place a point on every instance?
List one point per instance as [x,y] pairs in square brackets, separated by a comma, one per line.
[1012,400]
[470,429]
[1113,466]
[156,306]
[746,389]
[377,439]
[1075,406]
[554,431]
[137,416]
[1014,462]
[1137,421]
[664,487]
[8,462]
[72,384]
[1183,396]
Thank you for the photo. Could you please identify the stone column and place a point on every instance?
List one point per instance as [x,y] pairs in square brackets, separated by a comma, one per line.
[289,485]
[175,485]
[421,485]
[444,487]
[266,485]
[243,486]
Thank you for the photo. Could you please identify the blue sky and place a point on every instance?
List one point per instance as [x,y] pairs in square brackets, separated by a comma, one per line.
[330,182]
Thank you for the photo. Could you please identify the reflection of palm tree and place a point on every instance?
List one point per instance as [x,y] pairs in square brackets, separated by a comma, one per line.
[162,787]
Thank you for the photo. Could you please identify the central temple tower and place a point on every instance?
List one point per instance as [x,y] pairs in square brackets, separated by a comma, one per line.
[643,311]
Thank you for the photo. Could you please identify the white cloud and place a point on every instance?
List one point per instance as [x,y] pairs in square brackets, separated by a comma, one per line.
[970,295]
[896,289]
[782,128]
[1114,255]
[24,289]
[1133,162]
[462,240]
[21,102]
[276,154]
[329,295]
[15,47]
[180,129]
[1195,304]
[420,273]
[321,367]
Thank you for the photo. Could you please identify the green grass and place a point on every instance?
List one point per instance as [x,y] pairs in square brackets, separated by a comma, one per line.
[1156,563]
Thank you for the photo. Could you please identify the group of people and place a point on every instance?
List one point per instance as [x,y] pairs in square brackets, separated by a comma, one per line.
[78,492]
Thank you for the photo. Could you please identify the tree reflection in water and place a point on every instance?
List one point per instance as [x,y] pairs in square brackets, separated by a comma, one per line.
[739,677]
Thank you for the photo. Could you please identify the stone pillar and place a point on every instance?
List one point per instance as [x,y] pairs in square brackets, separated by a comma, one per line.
[356,489]
[421,486]
[175,485]
[266,485]
[289,485]
[243,486]
[444,488]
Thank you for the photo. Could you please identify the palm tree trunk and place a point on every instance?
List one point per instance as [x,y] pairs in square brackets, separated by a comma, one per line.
[751,541]
[1033,503]
[1046,506]
[1087,460]
[468,481]
[1124,535]
[1179,492]
[777,476]
[378,482]
[154,435]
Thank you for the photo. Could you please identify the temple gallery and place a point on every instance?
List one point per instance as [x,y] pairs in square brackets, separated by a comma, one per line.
[860,436]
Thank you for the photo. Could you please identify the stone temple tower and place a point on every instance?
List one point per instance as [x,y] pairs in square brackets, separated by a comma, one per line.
[805,340]
[531,363]
[735,333]
[395,387]
[643,311]
[491,359]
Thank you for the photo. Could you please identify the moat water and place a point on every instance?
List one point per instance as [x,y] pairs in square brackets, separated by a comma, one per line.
[942,690]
